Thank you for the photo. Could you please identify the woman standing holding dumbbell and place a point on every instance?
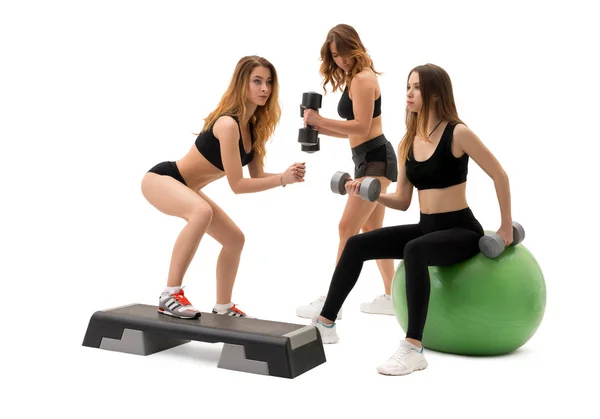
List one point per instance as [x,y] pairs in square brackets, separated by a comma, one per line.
[434,155]
[345,63]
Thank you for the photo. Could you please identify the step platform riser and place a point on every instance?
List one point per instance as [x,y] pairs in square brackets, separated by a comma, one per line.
[250,345]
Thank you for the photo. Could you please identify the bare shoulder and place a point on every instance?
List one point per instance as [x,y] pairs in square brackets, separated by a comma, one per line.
[365,78]
[462,132]
[364,82]
[466,140]
[226,128]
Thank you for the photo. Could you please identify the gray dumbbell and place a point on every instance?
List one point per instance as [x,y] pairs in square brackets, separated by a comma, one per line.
[492,245]
[370,188]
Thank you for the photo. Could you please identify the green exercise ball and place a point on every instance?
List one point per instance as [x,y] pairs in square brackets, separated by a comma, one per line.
[480,306]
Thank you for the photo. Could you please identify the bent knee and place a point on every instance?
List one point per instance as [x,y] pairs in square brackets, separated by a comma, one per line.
[200,213]
[371,226]
[236,240]
[354,243]
[347,230]
[413,251]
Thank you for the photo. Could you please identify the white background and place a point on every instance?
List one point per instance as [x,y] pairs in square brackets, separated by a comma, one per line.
[93,94]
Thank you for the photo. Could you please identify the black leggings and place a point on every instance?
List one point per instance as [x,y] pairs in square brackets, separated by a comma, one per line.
[438,240]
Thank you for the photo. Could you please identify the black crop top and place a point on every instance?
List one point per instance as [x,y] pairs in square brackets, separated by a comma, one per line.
[208,145]
[442,169]
[345,106]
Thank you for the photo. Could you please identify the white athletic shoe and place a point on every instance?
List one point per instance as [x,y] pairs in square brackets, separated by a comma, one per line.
[314,309]
[177,305]
[408,358]
[380,305]
[328,331]
[232,311]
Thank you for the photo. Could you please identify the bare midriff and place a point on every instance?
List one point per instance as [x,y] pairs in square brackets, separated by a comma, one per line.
[453,198]
[196,170]
[375,131]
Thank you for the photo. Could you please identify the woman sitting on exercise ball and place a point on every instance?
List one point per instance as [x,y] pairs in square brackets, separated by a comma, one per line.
[433,157]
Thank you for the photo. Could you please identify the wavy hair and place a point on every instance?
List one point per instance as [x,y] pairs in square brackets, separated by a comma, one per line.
[349,45]
[233,102]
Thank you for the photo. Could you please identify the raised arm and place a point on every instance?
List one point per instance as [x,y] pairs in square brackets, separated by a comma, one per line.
[330,133]
[363,89]
[402,197]
[399,200]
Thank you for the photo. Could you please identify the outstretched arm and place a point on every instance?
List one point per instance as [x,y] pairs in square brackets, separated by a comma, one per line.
[226,130]
[297,169]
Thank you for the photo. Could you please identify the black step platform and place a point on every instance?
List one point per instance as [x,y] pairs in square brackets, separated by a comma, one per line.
[250,345]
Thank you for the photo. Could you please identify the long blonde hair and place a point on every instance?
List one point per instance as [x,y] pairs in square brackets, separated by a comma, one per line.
[433,81]
[349,45]
[233,103]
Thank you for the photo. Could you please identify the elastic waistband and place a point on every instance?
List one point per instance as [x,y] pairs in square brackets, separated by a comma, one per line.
[461,214]
[367,146]
[463,218]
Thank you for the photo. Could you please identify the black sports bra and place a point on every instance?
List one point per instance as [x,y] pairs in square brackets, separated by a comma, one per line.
[208,145]
[442,169]
[345,106]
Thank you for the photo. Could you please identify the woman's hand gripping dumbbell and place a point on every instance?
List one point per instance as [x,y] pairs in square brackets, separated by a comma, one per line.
[368,189]
[308,136]
[492,245]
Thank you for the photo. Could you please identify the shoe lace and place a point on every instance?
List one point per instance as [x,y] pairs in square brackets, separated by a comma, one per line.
[179,296]
[401,353]
[237,310]
[318,300]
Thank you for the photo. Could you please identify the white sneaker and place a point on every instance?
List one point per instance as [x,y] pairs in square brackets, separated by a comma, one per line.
[231,311]
[328,331]
[314,309]
[408,358]
[380,305]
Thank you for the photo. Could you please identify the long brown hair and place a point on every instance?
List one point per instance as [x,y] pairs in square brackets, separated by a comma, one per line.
[349,45]
[433,81]
[233,103]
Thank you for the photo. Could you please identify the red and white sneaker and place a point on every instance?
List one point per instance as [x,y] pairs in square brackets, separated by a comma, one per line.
[232,311]
[177,305]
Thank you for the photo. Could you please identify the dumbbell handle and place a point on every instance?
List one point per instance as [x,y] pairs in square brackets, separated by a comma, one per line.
[492,245]
[302,108]
[370,188]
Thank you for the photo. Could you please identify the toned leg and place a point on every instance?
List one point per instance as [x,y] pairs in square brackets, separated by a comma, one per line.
[356,213]
[228,234]
[174,198]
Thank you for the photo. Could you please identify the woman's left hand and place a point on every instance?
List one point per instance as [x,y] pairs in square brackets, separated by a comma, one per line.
[312,117]
[506,233]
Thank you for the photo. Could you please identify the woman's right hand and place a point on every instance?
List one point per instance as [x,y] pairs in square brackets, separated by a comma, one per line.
[353,187]
[294,173]
[311,117]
